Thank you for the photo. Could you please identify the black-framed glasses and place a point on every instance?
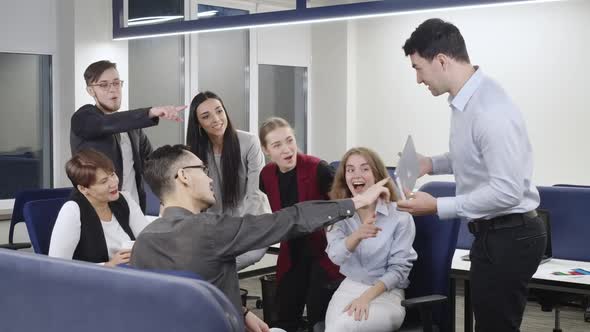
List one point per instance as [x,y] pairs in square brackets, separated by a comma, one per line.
[203,167]
[107,85]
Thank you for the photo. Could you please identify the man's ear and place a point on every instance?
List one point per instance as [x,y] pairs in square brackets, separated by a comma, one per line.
[181,175]
[90,91]
[443,60]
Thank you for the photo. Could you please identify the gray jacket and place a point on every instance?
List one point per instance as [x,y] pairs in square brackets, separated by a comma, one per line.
[208,244]
[251,163]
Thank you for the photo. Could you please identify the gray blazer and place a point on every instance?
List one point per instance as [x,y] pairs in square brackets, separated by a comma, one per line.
[251,163]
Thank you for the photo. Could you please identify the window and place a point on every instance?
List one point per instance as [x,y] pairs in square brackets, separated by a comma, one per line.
[25,129]
[282,92]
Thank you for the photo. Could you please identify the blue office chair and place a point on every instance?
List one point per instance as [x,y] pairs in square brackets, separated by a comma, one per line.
[152,201]
[464,239]
[41,293]
[40,218]
[429,279]
[570,230]
[335,164]
[20,199]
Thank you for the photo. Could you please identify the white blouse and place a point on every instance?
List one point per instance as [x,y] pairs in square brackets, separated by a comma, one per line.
[66,232]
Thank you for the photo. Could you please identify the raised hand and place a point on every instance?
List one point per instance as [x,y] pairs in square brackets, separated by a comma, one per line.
[366,231]
[424,162]
[372,194]
[167,112]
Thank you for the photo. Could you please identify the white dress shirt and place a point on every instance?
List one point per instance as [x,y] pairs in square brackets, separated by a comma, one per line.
[490,154]
[387,258]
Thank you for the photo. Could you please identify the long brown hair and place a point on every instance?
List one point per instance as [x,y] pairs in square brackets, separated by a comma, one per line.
[340,188]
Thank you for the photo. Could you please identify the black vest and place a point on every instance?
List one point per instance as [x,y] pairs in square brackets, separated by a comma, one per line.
[92,246]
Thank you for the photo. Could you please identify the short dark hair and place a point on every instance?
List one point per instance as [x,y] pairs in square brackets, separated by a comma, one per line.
[436,36]
[82,167]
[160,167]
[93,72]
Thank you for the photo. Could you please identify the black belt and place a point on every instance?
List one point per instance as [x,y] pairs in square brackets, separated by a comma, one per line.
[507,221]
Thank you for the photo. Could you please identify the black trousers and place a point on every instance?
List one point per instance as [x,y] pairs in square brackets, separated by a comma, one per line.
[305,284]
[502,264]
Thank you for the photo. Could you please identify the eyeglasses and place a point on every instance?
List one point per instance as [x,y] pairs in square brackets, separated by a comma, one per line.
[203,167]
[105,86]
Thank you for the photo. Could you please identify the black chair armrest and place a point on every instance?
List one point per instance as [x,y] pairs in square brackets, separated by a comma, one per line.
[15,246]
[424,305]
[423,301]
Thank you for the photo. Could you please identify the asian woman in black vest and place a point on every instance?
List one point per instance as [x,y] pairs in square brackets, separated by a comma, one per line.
[98,222]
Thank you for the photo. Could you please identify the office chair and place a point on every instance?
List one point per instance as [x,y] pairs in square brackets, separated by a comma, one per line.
[20,199]
[429,279]
[41,293]
[40,218]
[152,202]
[570,229]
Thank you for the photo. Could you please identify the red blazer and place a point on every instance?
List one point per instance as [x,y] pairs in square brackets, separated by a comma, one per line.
[308,190]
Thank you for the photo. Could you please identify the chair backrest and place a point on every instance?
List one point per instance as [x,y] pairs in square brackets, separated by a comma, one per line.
[152,201]
[571,185]
[435,244]
[570,221]
[41,293]
[25,196]
[335,164]
[40,218]
[391,171]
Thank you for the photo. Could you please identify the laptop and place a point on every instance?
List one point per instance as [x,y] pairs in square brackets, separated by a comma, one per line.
[548,254]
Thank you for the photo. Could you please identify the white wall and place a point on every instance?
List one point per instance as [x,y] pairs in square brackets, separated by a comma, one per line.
[328,90]
[28,26]
[284,45]
[538,52]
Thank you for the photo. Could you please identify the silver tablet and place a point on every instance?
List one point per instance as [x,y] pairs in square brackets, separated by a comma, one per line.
[408,169]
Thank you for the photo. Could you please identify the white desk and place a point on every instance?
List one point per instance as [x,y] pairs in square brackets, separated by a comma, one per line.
[6,208]
[542,279]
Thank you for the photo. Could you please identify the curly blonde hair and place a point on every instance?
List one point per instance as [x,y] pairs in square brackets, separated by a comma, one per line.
[340,189]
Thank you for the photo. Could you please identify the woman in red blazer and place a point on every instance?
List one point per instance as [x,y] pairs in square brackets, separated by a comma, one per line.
[305,274]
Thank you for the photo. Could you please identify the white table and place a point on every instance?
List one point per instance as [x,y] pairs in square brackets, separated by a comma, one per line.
[542,279]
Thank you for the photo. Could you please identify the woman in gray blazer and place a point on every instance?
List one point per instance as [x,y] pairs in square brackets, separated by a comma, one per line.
[234,158]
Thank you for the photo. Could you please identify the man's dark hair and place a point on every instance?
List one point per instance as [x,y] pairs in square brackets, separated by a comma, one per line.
[160,167]
[93,72]
[436,36]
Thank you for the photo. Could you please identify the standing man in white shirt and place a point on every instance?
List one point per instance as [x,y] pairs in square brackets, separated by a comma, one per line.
[116,134]
[491,158]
